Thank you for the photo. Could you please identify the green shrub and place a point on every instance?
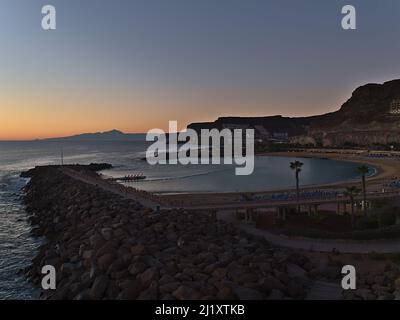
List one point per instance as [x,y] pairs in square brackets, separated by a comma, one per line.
[395,257]
[247,196]
[388,218]
[377,256]
[367,223]
[392,232]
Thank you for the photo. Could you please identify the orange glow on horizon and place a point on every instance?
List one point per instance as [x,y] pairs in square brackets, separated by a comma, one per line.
[27,115]
[29,121]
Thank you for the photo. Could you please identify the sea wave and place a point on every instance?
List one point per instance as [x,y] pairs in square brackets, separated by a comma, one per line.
[17,246]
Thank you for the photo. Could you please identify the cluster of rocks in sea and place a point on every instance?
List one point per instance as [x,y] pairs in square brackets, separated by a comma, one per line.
[104,246]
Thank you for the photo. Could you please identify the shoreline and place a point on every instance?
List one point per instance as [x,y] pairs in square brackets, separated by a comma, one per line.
[384,171]
[107,246]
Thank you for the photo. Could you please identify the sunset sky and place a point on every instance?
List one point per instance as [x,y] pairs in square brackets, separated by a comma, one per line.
[133,65]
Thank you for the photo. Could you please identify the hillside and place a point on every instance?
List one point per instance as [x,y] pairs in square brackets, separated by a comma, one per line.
[370,116]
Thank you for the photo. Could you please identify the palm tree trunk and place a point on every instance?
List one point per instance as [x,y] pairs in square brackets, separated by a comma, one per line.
[364,195]
[297,192]
[352,212]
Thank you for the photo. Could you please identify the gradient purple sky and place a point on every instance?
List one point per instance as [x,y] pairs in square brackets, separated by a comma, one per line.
[133,65]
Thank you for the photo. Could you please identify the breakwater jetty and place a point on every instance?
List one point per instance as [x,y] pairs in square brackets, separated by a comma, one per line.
[106,246]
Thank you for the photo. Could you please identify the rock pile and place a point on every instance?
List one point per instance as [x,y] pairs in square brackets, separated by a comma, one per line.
[377,286]
[104,246]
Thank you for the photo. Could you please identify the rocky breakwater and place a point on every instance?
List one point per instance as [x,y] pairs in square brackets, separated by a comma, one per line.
[106,247]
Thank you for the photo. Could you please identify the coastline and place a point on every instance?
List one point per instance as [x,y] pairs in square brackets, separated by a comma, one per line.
[385,170]
[382,169]
[107,246]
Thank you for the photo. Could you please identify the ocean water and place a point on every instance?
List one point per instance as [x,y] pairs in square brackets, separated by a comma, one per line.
[17,246]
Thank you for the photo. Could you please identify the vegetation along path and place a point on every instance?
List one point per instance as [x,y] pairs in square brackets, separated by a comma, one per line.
[325,245]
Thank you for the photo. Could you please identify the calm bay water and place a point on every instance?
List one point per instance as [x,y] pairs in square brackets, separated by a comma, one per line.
[17,247]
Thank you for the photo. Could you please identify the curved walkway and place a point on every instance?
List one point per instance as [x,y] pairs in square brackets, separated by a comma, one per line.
[325,245]
[115,188]
[343,246]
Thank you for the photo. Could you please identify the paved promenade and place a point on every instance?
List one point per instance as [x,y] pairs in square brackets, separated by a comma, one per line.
[344,246]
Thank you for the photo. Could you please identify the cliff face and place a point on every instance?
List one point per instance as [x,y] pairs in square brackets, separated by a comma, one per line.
[370,117]
[278,124]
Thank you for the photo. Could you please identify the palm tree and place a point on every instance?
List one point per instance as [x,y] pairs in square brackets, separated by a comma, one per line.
[247,196]
[296,166]
[352,192]
[364,170]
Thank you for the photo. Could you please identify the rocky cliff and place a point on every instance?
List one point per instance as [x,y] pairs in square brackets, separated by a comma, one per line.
[370,117]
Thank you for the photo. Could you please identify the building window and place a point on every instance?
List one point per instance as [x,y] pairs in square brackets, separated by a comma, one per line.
[395,107]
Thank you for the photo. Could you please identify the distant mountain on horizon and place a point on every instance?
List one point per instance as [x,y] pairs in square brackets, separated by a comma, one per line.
[112,135]
[371,116]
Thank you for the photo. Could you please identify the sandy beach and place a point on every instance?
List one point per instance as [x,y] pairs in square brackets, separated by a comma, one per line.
[386,168]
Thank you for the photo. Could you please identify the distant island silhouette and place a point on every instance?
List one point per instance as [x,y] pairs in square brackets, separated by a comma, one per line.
[112,135]
[371,116]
